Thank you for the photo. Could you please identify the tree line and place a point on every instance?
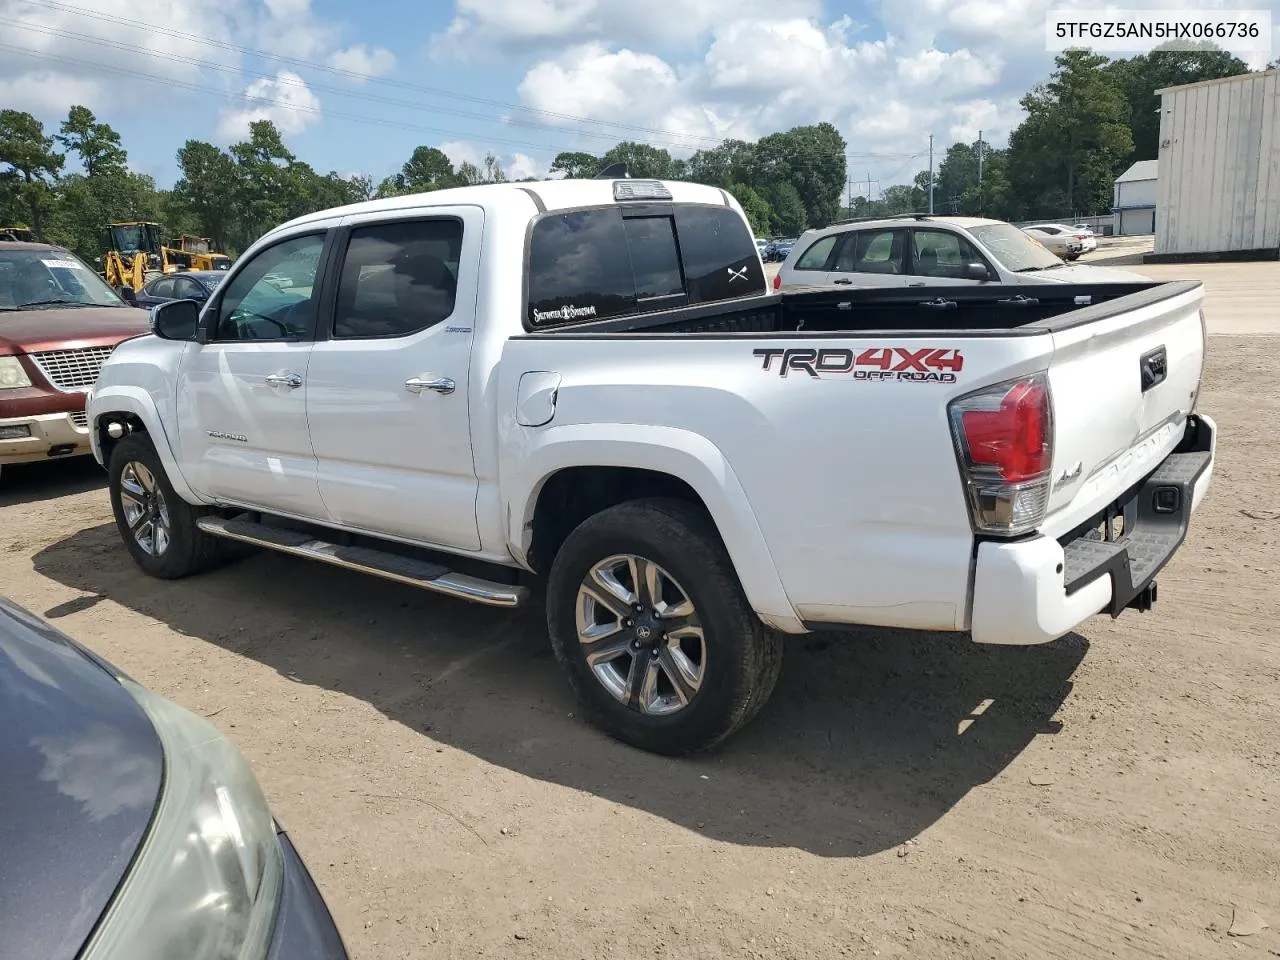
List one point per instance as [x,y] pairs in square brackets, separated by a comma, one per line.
[1084,125]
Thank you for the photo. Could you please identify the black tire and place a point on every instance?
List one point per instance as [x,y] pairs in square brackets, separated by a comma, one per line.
[189,549]
[743,657]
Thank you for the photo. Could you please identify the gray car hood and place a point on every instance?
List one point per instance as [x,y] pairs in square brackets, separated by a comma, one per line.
[1085,273]
[81,769]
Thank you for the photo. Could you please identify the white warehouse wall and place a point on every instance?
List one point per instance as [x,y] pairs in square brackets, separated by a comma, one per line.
[1219,183]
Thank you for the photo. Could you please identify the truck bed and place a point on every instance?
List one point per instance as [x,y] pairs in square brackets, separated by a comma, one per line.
[986,310]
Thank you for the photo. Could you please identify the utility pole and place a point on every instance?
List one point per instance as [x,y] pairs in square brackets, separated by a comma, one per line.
[979,158]
[850,205]
[931,174]
[868,191]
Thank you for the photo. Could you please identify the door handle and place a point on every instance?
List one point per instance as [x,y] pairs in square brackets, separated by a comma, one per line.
[439,385]
[843,281]
[284,380]
[920,284]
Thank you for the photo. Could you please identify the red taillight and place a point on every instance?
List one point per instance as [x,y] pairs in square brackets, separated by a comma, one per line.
[1004,443]
[777,281]
[1013,438]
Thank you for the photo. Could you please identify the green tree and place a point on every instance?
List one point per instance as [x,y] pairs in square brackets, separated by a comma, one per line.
[208,191]
[492,171]
[643,160]
[28,164]
[266,188]
[729,162]
[812,160]
[759,213]
[1074,139]
[576,166]
[428,169]
[1138,78]
[97,145]
[360,187]
[786,209]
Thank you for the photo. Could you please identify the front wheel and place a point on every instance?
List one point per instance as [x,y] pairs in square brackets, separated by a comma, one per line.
[157,526]
[648,619]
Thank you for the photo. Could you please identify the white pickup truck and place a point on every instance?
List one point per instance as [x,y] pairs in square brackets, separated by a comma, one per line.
[585,387]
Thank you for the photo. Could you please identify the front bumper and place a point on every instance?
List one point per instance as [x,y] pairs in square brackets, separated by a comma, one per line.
[1035,590]
[304,928]
[49,436]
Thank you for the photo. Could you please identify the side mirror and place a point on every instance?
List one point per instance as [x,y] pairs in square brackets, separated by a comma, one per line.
[976,271]
[128,296]
[175,319]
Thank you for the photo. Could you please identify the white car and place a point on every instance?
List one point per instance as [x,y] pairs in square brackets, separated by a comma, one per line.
[584,386]
[919,250]
[1058,231]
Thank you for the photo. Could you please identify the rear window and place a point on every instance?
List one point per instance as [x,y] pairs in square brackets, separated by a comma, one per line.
[655,261]
[596,264]
[720,257]
[579,268]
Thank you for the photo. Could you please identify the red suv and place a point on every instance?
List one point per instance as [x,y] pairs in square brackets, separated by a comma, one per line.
[58,321]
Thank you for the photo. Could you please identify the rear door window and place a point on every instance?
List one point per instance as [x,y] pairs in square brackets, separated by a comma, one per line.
[720,257]
[579,268]
[872,251]
[940,253]
[398,278]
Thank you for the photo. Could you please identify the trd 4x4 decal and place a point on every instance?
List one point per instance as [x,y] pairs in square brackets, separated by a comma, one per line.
[907,364]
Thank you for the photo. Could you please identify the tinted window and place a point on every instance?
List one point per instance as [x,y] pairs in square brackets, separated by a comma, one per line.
[872,251]
[655,262]
[579,268]
[938,253]
[271,297]
[162,287]
[184,288]
[720,257]
[398,278]
[815,258]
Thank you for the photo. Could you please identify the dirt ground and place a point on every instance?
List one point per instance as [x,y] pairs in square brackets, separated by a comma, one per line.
[1116,793]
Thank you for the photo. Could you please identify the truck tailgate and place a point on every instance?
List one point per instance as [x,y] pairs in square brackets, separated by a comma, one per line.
[1122,385]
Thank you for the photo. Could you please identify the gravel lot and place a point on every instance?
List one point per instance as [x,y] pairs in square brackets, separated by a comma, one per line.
[1115,793]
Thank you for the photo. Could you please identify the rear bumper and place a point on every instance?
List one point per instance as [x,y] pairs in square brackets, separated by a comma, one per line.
[43,437]
[1033,591]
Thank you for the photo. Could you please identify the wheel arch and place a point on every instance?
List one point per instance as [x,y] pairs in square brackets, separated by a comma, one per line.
[575,471]
[135,411]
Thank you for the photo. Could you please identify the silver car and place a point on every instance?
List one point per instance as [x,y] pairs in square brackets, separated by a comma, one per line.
[918,250]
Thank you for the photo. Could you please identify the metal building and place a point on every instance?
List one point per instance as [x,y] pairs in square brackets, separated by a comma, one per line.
[1219,187]
[1134,206]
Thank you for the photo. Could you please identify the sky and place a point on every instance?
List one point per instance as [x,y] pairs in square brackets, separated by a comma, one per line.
[354,87]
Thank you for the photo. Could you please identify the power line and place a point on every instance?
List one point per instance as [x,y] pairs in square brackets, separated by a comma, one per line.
[354,75]
[796,160]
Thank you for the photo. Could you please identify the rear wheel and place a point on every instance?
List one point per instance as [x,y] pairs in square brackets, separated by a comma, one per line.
[649,621]
[158,527]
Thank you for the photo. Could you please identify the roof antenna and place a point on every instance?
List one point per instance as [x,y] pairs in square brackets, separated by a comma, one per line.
[615,171]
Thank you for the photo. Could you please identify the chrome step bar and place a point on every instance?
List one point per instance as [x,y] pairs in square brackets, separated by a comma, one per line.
[389,566]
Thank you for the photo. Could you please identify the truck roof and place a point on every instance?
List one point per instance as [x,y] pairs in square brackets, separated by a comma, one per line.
[553,195]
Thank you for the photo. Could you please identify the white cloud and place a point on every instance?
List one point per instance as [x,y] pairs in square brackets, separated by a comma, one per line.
[502,26]
[72,54]
[365,61]
[760,76]
[50,93]
[286,101]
